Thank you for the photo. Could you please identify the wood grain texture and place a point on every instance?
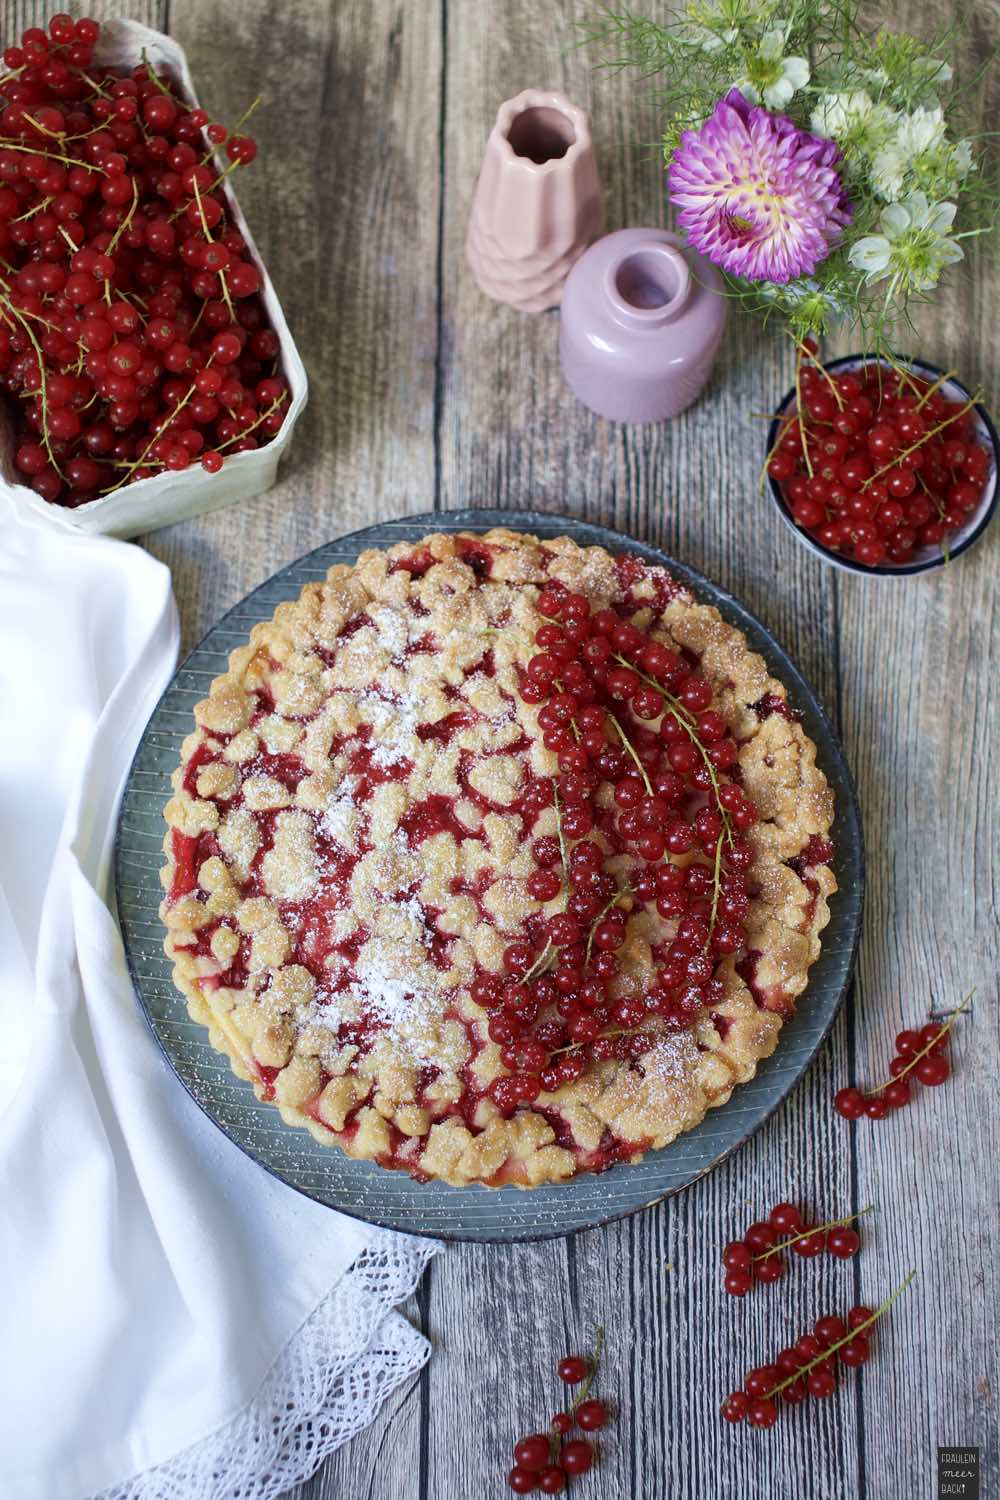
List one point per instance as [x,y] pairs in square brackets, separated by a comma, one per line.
[423,393]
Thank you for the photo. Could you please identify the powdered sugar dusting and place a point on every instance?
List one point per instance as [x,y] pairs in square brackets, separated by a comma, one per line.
[394,986]
[340,816]
[394,727]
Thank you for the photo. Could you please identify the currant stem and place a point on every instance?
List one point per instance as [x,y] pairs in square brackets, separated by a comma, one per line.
[629,747]
[921,440]
[598,919]
[912,1062]
[817,1229]
[852,1333]
[138,462]
[716,884]
[611,1031]
[948,375]
[786,423]
[43,388]
[595,1360]
[154,76]
[539,962]
[559,830]
[798,412]
[68,161]
[825,374]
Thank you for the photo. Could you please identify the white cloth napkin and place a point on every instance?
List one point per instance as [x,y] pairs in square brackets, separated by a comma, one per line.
[176,1323]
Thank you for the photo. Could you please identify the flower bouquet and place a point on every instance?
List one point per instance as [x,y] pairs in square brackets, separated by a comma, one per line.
[814,160]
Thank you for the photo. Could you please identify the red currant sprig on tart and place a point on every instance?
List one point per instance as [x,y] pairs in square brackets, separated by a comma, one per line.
[808,1368]
[601,685]
[757,1257]
[920,1053]
[544,1461]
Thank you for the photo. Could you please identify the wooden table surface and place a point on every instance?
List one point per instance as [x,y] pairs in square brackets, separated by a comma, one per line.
[424,395]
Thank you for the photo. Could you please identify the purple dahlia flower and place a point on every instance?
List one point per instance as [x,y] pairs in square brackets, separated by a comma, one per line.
[757,195]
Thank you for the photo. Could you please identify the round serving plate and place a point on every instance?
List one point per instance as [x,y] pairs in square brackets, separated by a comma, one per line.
[391,1198]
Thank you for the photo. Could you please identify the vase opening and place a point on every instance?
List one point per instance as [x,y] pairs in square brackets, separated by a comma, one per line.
[541,134]
[649,280]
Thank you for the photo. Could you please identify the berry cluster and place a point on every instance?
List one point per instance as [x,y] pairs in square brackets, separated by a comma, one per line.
[919,1054]
[620,710]
[757,1257]
[546,1461]
[877,463]
[132,336]
[807,1368]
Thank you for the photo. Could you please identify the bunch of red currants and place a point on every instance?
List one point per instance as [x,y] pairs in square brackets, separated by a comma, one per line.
[133,339]
[878,463]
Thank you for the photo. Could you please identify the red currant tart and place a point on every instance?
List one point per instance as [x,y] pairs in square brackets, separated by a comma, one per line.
[496,860]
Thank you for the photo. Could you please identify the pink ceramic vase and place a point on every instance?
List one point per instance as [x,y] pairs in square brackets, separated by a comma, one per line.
[641,323]
[537,204]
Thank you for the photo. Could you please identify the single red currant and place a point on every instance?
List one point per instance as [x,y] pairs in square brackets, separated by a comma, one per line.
[572,1369]
[591,1415]
[532,1453]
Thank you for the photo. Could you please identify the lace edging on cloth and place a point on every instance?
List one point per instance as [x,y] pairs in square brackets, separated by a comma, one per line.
[325,1386]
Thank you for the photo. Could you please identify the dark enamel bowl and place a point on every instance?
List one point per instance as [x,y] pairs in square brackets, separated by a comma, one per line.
[926,558]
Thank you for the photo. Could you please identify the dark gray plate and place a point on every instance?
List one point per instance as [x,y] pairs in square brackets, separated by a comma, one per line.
[389,1198]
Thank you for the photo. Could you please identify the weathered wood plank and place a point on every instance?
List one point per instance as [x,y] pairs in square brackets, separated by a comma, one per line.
[343,200]
[919,660]
[513,435]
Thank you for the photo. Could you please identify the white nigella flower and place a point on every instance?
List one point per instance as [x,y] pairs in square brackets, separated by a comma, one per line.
[854,120]
[934,70]
[919,155]
[713,41]
[772,78]
[913,247]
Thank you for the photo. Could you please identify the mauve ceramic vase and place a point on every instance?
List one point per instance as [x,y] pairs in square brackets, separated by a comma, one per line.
[537,204]
[642,317]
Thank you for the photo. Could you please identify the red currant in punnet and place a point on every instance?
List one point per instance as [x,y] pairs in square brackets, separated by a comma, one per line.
[123,254]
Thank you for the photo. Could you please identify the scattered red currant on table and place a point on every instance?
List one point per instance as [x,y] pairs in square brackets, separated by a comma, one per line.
[133,340]
[543,1461]
[921,1054]
[809,1367]
[757,1257]
[877,463]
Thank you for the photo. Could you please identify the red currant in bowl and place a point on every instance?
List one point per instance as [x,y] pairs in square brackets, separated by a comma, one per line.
[901,479]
